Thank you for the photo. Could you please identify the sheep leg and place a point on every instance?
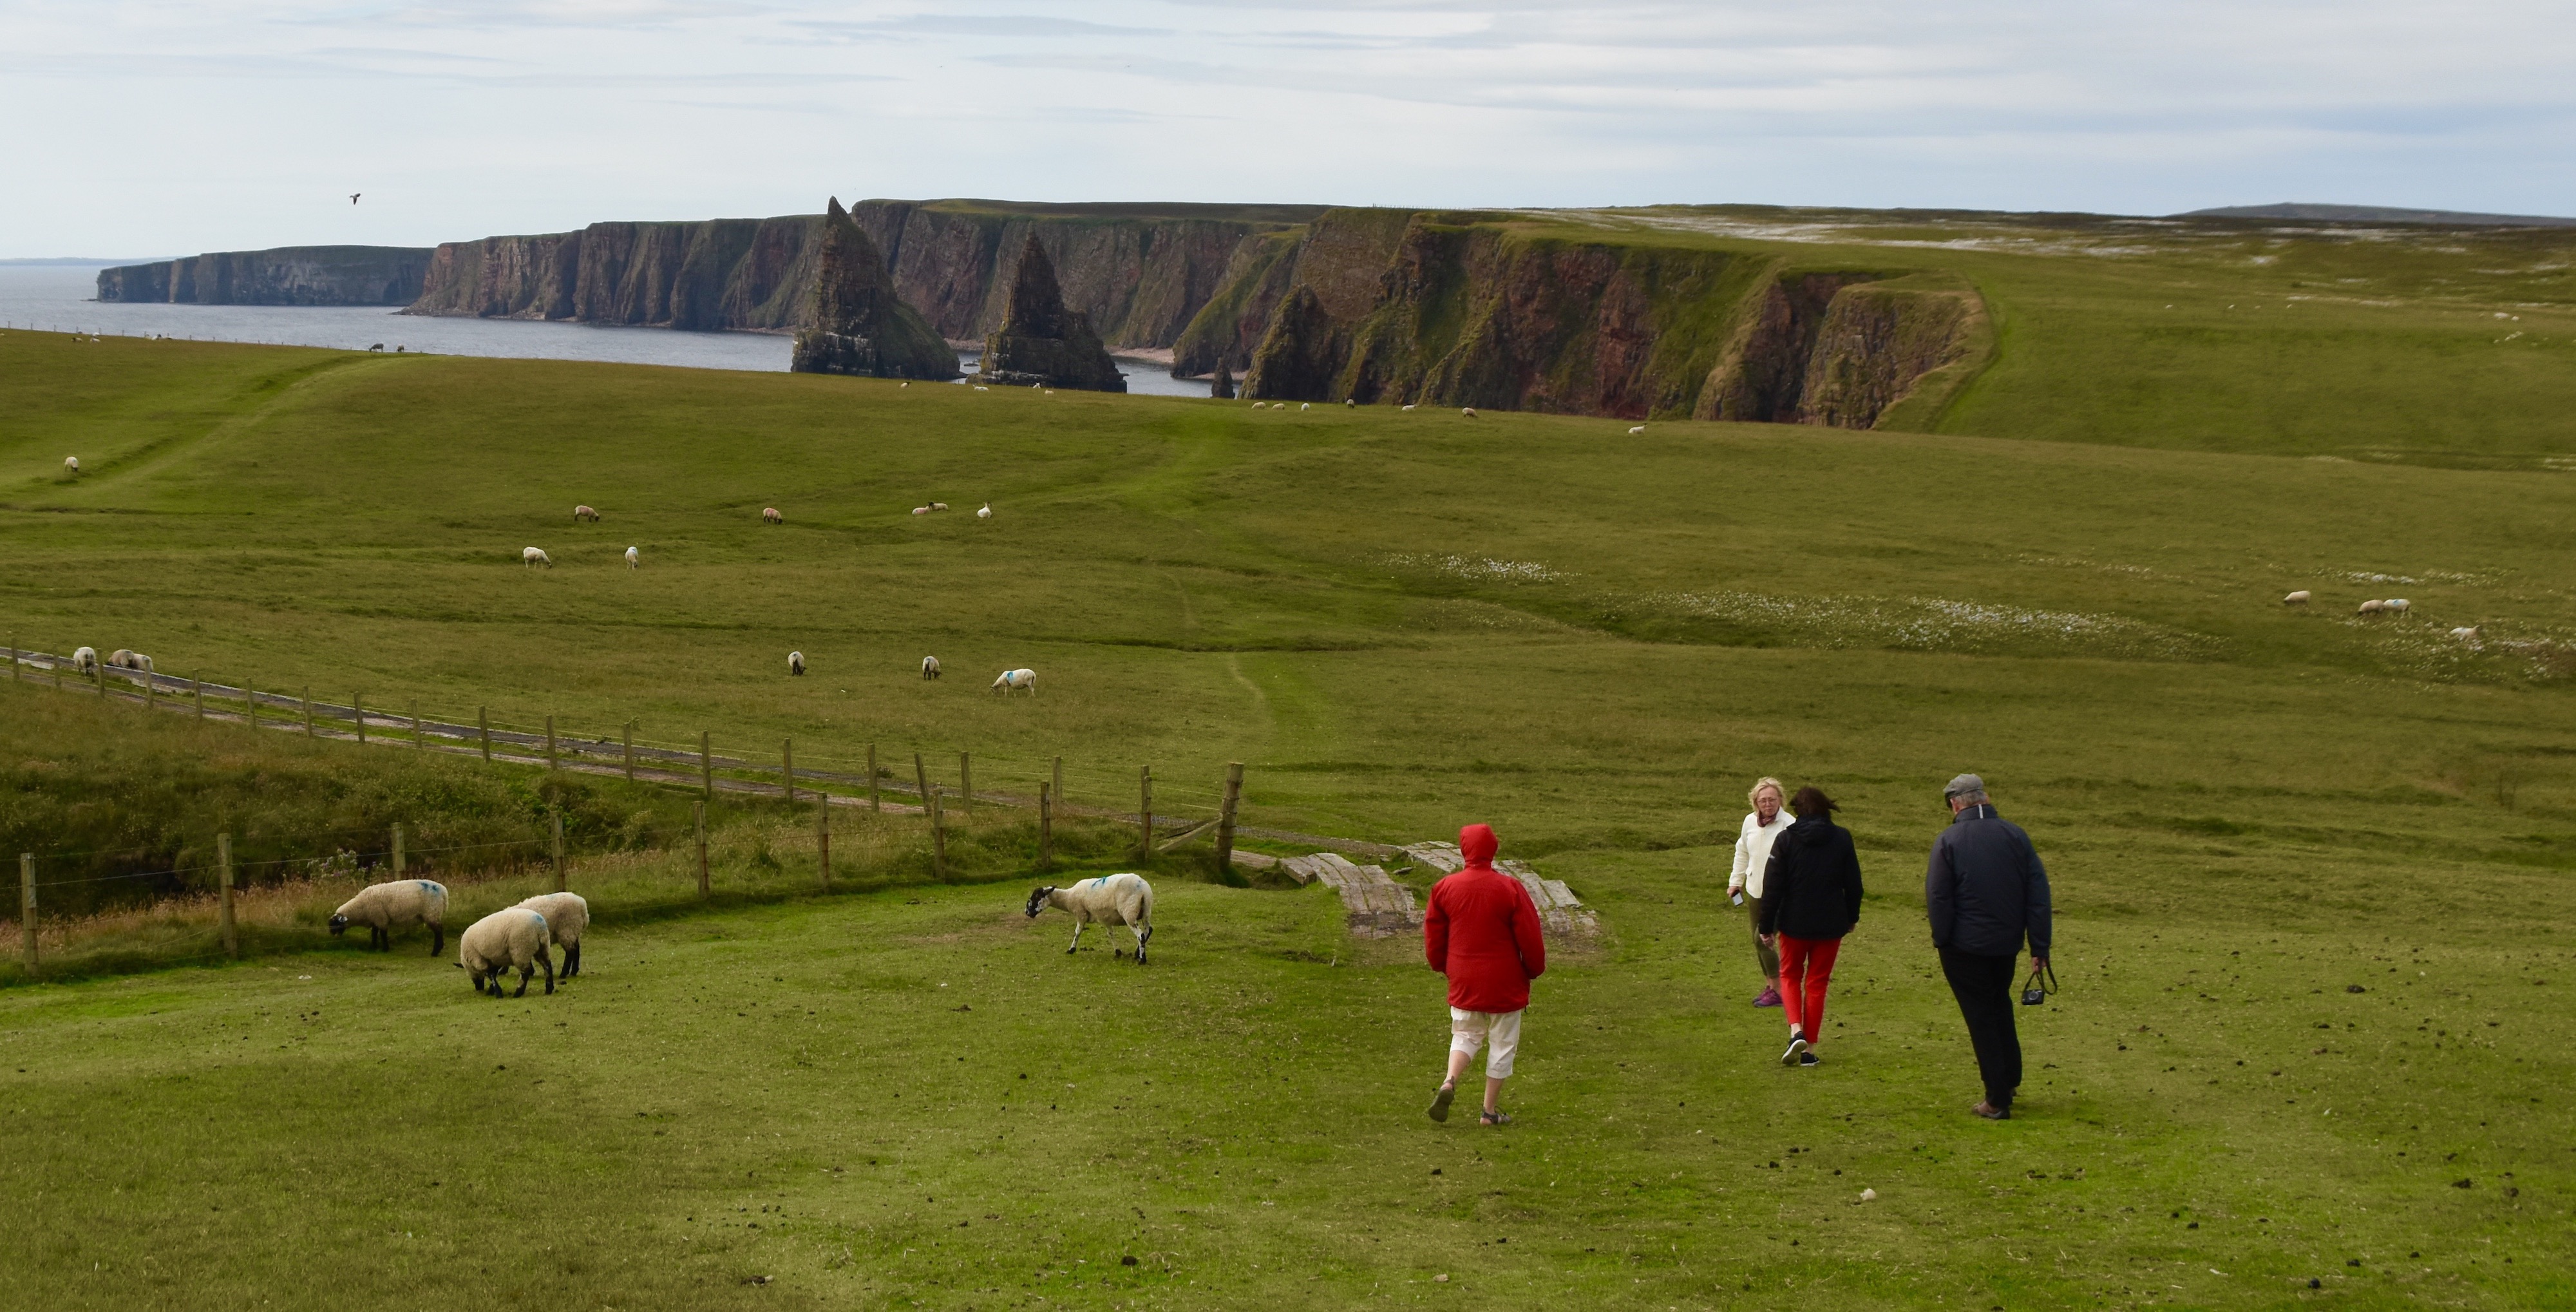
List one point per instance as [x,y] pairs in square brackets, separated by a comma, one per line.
[572,960]
[1142,932]
[380,939]
[1078,923]
[549,964]
[437,939]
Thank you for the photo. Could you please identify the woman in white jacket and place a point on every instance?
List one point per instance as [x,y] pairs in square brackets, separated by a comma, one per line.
[1752,853]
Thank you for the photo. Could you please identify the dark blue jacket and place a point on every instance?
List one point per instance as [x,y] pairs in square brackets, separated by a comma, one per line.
[1812,889]
[1986,890]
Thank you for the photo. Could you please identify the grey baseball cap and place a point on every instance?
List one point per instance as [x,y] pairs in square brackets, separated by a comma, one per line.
[1964,784]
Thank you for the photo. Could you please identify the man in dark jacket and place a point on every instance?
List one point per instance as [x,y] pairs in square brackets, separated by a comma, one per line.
[1985,892]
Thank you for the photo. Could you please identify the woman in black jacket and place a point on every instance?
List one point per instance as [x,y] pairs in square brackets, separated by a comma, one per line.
[1810,899]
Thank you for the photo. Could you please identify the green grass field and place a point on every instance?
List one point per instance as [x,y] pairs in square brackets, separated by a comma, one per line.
[1400,622]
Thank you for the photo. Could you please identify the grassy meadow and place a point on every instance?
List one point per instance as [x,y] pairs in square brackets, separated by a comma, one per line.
[2312,867]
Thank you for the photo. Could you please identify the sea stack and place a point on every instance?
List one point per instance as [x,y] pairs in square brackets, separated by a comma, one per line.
[861,327]
[1221,384]
[1040,341]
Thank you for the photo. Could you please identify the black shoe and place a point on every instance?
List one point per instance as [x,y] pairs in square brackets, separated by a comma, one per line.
[1992,1112]
[1809,1058]
[1797,1049]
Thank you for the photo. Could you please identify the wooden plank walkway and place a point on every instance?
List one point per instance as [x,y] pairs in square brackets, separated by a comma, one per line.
[1559,912]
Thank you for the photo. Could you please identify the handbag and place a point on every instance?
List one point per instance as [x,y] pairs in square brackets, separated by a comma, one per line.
[2034,993]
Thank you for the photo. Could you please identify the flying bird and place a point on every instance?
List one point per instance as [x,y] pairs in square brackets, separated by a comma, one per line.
[353,196]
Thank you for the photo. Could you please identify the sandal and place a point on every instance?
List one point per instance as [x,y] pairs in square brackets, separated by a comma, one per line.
[1440,1101]
[1492,1118]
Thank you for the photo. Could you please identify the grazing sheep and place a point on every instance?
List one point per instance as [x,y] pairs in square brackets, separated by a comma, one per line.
[2469,634]
[580,513]
[2398,604]
[1303,406]
[535,557]
[381,907]
[1352,402]
[2298,598]
[770,515]
[921,510]
[1408,407]
[1467,410]
[2371,608]
[1638,431]
[930,667]
[121,659]
[904,384]
[1110,899]
[939,505]
[71,465]
[85,659]
[986,512]
[1016,679]
[567,915]
[796,663]
[513,938]
[981,388]
[632,558]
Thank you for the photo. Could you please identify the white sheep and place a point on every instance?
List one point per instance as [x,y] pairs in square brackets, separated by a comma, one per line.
[2371,608]
[2298,598]
[580,513]
[71,465]
[2398,604]
[122,659]
[567,915]
[770,515]
[1351,401]
[986,512]
[1408,407]
[939,505]
[981,388]
[1124,899]
[1016,679]
[513,938]
[381,907]
[930,667]
[2467,635]
[1638,431]
[535,556]
[633,558]
[1467,410]
[85,659]
[796,662]
[1304,406]
[921,510]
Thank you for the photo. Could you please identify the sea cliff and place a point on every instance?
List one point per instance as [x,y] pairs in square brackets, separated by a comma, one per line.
[287,275]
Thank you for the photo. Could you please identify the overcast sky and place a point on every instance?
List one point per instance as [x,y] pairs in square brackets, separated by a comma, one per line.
[154,127]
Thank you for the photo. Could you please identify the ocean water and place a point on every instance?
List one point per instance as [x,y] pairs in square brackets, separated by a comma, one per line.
[58,297]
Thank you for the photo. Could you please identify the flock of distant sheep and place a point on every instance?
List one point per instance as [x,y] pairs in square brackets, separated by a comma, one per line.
[1024,680]
[2385,606]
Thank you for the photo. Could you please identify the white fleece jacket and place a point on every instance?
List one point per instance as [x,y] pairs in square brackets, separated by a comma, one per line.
[1753,851]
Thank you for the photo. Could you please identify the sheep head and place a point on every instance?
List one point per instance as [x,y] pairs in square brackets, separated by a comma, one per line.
[339,924]
[1041,900]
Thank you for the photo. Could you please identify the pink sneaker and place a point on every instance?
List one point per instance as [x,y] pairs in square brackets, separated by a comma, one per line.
[1770,997]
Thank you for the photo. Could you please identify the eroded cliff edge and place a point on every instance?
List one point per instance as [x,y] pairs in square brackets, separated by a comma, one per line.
[287,275]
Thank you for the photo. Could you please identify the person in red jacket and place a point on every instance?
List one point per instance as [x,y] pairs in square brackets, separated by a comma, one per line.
[1482,932]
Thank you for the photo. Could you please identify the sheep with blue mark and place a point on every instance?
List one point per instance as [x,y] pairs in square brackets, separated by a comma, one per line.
[1121,899]
[567,915]
[384,907]
[513,938]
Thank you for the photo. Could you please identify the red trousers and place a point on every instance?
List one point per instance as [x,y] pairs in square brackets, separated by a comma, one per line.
[1806,967]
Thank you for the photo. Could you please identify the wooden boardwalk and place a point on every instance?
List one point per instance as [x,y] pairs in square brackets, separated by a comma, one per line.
[1559,912]
[1379,907]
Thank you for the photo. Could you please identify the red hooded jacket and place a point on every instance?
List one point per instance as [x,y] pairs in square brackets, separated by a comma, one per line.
[1482,931]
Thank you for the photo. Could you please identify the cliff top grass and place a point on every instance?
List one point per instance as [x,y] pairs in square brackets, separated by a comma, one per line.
[1400,621]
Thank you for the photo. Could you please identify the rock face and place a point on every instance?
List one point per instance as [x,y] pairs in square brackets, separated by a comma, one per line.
[860,327]
[1040,342]
[1140,272]
[1221,383]
[288,275]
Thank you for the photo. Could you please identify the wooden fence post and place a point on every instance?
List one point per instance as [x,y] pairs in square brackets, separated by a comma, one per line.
[250,705]
[14,674]
[823,837]
[419,741]
[551,762]
[787,768]
[198,691]
[1225,818]
[938,839]
[698,812]
[1145,812]
[56,665]
[706,766]
[966,782]
[559,866]
[358,711]
[1046,827]
[874,802]
[398,851]
[98,675]
[224,894]
[308,710]
[150,685]
[921,782]
[627,734]
[483,727]
[27,908]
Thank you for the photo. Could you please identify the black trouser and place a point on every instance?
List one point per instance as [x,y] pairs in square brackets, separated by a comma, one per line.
[1983,986]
